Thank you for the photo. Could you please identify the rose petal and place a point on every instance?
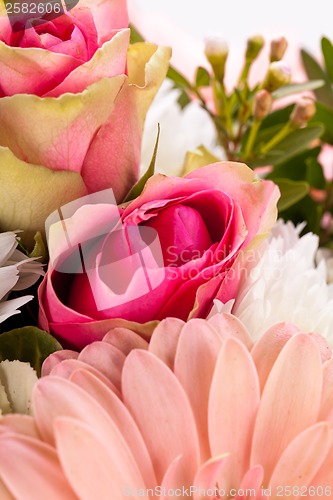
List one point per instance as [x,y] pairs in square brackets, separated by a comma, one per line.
[17,177]
[32,70]
[108,61]
[109,15]
[147,67]
[64,143]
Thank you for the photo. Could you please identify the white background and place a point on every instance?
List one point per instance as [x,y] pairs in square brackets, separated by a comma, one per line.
[304,20]
[184,24]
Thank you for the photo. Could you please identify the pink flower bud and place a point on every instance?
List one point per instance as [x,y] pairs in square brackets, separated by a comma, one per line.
[278,48]
[262,104]
[303,111]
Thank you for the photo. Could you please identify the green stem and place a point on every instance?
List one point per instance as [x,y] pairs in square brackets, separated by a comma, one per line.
[277,138]
[222,106]
[245,72]
[252,137]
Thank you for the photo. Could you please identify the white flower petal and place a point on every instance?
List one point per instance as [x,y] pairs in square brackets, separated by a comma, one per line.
[18,379]
[8,279]
[10,307]
[8,244]
[4,403]
[286,285]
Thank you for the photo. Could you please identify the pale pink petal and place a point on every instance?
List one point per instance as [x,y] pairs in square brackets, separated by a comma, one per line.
[290,401]
[4,492]
[96,468]
[324,347]
[233,403]
[198,348]
[107,62]
[162,412]
[55,358]
[21,424]
[54,396]
[326,405]
[324,477]
[121,417]
[253,478]
[302,459]
[69,366]
[228,325]
[164,340]
[29,467]
[173,478]
[268,347]
[206,477]
[106,358]
[125,340]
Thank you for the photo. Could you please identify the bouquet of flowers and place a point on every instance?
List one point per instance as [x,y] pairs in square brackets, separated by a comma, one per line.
[166,284]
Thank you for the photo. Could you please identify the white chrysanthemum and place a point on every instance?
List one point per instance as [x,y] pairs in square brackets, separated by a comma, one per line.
[17,272]
[181,131]
[17,380]
[287,285]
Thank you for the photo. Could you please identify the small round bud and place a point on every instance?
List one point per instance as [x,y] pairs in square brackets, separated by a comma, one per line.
[303,111]
[262,104]
[278,74]
[216,51]
[278,48]
[254,46]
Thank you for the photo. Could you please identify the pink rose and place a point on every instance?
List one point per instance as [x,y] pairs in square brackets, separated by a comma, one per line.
[204,222]
[74,96]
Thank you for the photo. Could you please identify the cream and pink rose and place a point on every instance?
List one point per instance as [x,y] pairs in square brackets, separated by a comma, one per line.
[73,99]
[206,223]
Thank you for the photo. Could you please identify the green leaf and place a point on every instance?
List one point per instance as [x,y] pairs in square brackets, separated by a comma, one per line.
[327,49]
[324,115]
[314,174]
[315,72]
[291,192]
[295,88]
[135,35]
[295,168]
[202,78]
[292,145]
[280,116]
[184,99]
[138,188]
[28,344]
[178,79]
[305,210]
